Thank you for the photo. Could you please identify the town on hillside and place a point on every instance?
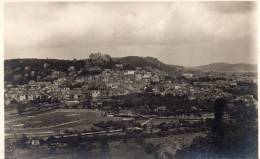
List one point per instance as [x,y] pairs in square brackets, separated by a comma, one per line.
[105,107]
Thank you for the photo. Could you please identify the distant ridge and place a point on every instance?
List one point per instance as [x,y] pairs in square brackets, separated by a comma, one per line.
[226,67]
[131,62]
[146,61]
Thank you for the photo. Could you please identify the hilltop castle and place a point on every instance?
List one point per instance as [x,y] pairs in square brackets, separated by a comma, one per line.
[100,58]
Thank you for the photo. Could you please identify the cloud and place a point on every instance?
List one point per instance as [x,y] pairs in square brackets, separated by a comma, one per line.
[237,7]
[166,30]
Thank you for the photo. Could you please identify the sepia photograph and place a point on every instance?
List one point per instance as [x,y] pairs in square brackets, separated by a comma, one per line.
[130,80]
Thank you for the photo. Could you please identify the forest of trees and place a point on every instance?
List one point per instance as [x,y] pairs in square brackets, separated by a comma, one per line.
[233,139]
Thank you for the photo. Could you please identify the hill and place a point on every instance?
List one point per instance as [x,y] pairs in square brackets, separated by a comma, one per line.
[225,67]
[133,61]
[23,70]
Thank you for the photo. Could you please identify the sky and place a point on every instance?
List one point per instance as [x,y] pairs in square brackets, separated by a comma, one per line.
[180,33]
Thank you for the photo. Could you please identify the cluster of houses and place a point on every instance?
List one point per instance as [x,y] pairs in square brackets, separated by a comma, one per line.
[69,87]
[108,83]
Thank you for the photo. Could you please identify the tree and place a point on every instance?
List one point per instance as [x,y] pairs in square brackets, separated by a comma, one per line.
[217,125]
[20,108]
[23,141]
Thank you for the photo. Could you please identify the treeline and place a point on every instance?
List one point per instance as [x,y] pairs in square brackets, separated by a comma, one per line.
[21,71]
[145,103]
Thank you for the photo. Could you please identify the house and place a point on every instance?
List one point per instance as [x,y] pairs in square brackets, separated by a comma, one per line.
[129,72]
[22,97]
[113,85]
[76,97]
[95,93]
[234,84]
[72,103]
[155,78]
[168,91]
[71,69]
[94,68]
[177,87]
[156,91]
[7,101]
[120,66]
[31,97]
[187,75]
[138,77]
[160,109]
[32,83]
[138,68]
[147,75]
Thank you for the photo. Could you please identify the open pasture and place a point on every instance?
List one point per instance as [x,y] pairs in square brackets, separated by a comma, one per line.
[60,120]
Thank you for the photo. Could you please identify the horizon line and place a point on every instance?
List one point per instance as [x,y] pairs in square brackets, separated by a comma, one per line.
[6,59]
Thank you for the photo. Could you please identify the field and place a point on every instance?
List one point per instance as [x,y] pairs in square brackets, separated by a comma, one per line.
[56,121]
